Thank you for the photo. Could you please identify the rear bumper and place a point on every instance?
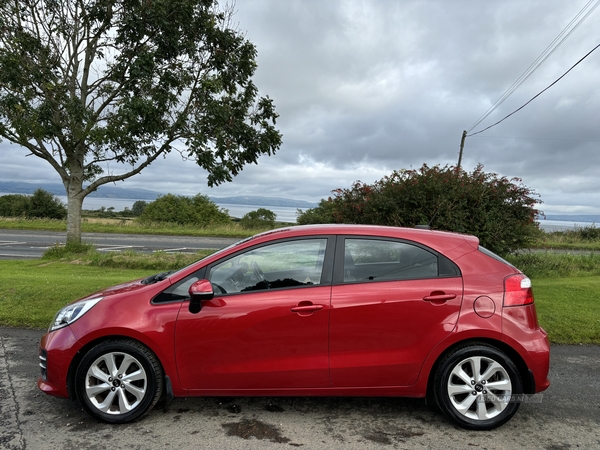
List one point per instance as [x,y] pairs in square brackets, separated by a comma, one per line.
[541,362]
[535,351]
[521,331]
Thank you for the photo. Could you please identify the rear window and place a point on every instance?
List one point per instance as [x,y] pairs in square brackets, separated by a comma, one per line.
[485,251]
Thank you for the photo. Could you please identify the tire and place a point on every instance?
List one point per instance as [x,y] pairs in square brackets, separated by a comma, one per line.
[119,381]
[476,387]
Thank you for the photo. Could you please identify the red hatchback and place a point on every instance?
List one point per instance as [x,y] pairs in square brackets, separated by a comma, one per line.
[315,310]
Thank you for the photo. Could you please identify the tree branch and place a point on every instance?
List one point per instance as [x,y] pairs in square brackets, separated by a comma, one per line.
[112,178]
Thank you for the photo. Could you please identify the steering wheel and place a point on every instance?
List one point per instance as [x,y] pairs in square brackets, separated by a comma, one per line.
[260,275]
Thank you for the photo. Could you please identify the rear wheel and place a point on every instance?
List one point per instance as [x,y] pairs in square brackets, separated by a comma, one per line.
[119,381]
[476,386]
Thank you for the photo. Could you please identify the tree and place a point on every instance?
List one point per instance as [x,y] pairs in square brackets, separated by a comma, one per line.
[198,210]
[261,218]
[501,212]
[101,88]
[42,204]
[138,207]
[14,205]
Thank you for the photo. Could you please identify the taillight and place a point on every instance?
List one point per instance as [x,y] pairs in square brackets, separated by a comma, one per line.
[517,290]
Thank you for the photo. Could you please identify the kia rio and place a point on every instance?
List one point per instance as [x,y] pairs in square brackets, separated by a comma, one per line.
[338,310]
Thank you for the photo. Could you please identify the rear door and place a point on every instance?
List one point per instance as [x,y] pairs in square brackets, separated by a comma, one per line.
[392,302]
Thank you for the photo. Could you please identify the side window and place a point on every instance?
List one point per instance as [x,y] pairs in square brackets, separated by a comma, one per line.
[280,265]
[379,260]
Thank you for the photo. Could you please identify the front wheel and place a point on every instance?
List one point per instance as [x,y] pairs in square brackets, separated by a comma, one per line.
[119,381]
[476,387]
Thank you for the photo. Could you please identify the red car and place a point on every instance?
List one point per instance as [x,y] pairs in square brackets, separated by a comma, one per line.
[341,310]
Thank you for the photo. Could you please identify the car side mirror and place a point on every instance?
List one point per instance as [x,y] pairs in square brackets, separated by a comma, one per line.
[200,291]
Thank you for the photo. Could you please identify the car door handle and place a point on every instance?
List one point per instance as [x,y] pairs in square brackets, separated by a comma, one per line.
[306,308]
[439,297]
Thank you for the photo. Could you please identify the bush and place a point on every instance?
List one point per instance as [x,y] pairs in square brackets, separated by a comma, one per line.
[197,210]
[41,205]
[323,213]
[589,233]
[14,205]
[261,218]
[70,249]
[501,212]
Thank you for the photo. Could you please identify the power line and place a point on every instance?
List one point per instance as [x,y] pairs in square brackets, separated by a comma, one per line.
[562,36]
[537,138]
[536,96]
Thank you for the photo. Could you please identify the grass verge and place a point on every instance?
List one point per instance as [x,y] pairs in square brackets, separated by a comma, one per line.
[541,264]
[86,254]
[32,291]
[232,229]
[568,309]
[580,238]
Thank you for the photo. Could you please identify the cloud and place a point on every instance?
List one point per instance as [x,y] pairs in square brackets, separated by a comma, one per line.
[364,87]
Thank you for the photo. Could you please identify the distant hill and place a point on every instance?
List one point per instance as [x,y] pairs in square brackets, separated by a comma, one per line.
[107,191]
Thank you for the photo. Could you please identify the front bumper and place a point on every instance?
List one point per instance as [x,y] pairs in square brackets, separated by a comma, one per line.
[57,350]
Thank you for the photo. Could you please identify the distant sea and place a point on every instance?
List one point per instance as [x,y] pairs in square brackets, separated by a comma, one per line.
[284,213]
[563,225]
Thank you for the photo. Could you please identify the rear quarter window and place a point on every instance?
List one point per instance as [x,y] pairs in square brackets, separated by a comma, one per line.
[486,252]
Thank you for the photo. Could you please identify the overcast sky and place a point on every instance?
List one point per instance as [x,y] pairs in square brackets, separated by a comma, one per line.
[369,86]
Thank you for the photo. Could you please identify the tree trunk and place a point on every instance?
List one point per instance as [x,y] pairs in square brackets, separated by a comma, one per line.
[74,206]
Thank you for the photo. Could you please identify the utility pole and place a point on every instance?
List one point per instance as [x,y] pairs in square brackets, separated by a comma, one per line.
[462,145]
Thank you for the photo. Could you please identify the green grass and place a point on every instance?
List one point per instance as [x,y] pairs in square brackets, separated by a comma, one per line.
[31,292]
[86,254]
[541,264]
[91,225]
[569,309]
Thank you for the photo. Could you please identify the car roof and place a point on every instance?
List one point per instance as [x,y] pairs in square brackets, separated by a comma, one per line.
[439,240]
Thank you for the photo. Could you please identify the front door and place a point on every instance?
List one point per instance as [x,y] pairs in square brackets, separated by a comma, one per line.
[267,326]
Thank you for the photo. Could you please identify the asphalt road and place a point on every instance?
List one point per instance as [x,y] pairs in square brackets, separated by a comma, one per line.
[567,417]
[26,244]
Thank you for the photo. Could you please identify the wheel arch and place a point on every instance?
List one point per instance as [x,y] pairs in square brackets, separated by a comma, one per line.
[526,377]
[72,391]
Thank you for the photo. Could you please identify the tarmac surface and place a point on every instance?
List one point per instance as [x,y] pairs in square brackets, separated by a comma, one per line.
[566,416]
[29,244]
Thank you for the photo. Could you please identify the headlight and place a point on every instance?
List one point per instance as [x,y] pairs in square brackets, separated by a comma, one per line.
[72,312]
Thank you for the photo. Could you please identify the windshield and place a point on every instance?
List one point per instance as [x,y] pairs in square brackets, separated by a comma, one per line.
[218,252]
